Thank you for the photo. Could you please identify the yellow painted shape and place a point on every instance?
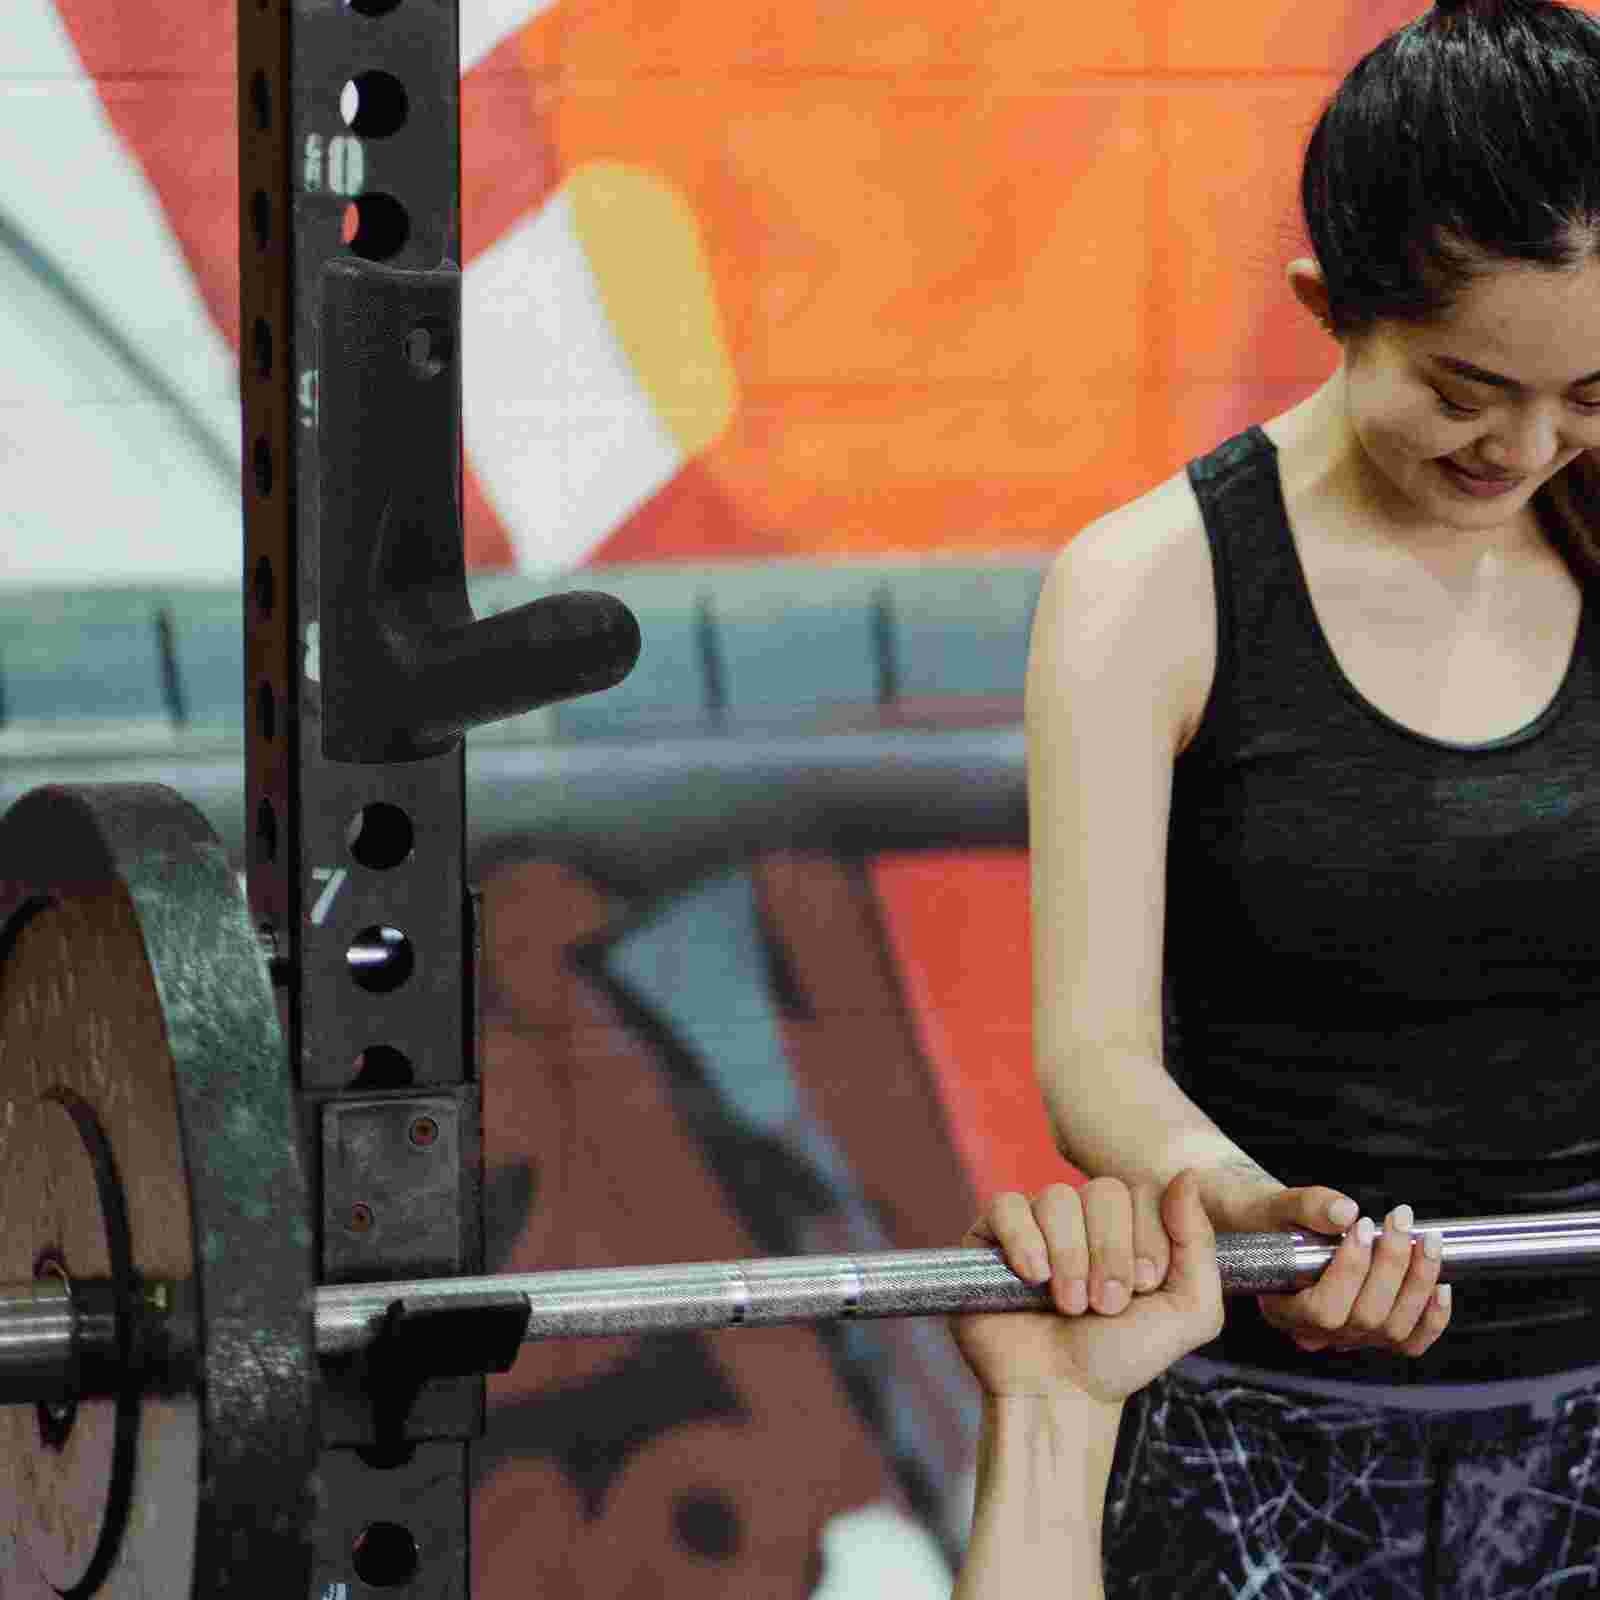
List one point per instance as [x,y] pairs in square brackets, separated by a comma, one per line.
[655,283]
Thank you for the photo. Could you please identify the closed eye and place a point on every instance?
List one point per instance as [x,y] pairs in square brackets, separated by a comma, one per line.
[1462,413]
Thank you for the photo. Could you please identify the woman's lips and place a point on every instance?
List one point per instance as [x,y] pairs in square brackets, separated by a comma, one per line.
[1478,488]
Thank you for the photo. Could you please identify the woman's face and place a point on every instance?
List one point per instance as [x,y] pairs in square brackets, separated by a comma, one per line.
[1425,409]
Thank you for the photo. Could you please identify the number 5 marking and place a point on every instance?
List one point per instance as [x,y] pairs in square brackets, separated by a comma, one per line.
[334,878]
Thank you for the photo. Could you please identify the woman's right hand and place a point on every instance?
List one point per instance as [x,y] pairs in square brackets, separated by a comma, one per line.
[1375,1296]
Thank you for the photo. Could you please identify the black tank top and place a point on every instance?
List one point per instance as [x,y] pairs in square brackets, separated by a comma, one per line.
[1383,951]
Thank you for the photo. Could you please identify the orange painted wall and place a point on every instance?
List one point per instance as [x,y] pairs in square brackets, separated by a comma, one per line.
[982,273]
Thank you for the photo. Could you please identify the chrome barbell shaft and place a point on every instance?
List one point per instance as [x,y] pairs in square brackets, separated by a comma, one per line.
[36,1338]
[912,1283]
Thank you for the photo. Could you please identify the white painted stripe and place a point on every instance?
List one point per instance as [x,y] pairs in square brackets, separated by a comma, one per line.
[877,1551]
[76,190]
[101,485]
[561,434]
[484,23]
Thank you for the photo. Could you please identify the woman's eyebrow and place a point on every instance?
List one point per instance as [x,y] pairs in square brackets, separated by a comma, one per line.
[1465,369]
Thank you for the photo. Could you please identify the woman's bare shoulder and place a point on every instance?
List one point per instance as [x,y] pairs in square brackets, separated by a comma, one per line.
[1159,527]
[1152,554]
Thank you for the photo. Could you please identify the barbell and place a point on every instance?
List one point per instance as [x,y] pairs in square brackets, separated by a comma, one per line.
[49,1327]
[162,1336]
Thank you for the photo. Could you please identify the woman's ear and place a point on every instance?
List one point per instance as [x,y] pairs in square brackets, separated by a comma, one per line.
[1309,286]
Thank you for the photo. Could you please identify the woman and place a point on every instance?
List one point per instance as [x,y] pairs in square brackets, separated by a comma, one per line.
[1314,767]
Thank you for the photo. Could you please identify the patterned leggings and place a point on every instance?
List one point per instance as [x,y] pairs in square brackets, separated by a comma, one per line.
[1224,1489]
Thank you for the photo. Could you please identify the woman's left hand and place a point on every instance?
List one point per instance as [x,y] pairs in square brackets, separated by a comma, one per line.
[1106,1353]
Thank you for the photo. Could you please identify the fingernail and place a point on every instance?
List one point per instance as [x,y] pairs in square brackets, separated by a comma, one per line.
[1113,1296]
[1144,1274]
[1366,1232]
[1402,1217]
[1433,1244]
[1343,1212]
[1039,1269]
[1442,1295]
[1078,1297]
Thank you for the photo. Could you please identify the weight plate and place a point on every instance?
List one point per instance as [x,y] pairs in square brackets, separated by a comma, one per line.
[147,1131]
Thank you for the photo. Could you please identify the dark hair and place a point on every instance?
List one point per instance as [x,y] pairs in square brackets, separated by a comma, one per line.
[1468,139]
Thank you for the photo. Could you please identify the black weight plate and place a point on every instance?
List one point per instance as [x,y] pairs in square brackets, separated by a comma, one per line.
[147,1132]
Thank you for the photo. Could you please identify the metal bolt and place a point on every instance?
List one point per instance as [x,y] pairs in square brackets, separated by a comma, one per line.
[424,1131]
[360,1217]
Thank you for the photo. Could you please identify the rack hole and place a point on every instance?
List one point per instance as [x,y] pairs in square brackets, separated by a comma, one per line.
[261,218]
[266,711]
[385,1555]
[374,105]
[261,461]
[371,8]
[380,836]
[261,100]
[376,227]
[261,344]
[381,1066]
[381,959]
[264,588]
[266,831]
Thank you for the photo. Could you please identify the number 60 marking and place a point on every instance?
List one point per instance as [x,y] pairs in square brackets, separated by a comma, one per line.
[346,172]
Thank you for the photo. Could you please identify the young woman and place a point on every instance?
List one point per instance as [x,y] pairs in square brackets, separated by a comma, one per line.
[1314,767]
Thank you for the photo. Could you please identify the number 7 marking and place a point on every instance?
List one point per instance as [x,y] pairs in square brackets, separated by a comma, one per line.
[334,878]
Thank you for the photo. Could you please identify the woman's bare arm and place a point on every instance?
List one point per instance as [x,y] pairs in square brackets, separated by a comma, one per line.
[1122,653]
